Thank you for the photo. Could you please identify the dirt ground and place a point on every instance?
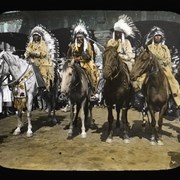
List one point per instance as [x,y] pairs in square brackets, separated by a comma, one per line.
[49,148]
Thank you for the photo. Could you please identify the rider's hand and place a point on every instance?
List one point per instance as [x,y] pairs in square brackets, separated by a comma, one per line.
[34,55]
[77,58]
[86,56]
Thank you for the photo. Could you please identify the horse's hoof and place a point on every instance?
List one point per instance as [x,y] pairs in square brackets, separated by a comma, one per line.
[29,134]
[153,143]
[84,135]
[69,135]
[160,143]
[108,140]
[15,133]
[127,141]
[54,121]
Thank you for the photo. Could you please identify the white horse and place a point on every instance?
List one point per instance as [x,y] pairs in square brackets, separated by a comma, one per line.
[24,76]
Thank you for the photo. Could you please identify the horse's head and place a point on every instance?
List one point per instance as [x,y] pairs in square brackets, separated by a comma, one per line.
[110,63]
[142,62]
[67,76]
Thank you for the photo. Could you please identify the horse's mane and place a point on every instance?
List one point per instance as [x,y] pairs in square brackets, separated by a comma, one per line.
[111,51]
[14,58]
[79,68]
[67,63]
[156,61]
[76,65]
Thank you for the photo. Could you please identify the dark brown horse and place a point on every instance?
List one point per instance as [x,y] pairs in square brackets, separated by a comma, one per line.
[155,88]
[117,90]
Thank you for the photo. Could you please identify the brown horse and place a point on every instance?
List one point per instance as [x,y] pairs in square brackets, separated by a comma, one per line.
[155,89]
[117,90]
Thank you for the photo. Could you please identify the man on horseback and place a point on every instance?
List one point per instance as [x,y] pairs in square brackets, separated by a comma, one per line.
[123,29]
[40,52]
[81,51]
[155,41]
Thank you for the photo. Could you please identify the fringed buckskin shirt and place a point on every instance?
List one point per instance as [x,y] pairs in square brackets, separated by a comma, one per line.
[162,53]
[38,54]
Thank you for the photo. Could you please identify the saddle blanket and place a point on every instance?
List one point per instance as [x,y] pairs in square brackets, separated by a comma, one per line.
[20,91]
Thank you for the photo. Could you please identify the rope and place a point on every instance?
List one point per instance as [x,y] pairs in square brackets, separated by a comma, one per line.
[96,42]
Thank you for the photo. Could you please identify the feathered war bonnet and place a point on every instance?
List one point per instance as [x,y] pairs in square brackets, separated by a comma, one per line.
[80,29]
[128,29]
[153,32]
[126,25]
[50,40]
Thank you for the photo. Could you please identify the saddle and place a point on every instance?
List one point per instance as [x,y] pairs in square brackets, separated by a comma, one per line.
[90,84]
[39,80]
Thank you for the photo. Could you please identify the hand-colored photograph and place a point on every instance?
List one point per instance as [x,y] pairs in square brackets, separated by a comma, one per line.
[90,90]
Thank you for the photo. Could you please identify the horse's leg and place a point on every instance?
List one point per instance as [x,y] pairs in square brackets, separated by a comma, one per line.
[145,116]
[70,131]
[110,122]
[89,111]
[160,123]
[54,120]
[49,107]
[29,109]
[118,116]
[76,113]
[153,126]
[125,125]
[49,103]
[53,109]
[82,115]
[73,118]
[117,127]
[17,131]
